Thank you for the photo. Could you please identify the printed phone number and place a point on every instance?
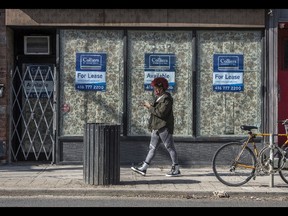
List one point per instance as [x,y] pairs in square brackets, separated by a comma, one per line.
[91,87]
[228,88]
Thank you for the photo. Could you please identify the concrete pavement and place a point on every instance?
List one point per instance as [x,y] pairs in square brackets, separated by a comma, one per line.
[19,179]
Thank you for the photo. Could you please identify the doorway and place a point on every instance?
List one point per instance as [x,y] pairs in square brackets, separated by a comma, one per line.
[282,79]
[33,116]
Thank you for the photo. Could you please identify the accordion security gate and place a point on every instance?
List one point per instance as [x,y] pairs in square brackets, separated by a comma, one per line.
[32,121]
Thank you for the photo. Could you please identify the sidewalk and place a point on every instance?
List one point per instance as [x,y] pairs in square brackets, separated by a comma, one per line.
[67,180]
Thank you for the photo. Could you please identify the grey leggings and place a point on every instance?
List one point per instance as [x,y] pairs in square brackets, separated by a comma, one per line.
[158,136]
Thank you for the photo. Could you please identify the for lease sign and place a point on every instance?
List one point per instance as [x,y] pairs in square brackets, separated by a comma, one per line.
[228,72]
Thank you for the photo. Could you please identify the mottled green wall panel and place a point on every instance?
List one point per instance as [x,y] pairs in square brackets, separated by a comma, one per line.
[91,106]
[222,113]
[170,42]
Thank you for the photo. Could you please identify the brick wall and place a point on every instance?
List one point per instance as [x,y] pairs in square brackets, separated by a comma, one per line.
[3,80]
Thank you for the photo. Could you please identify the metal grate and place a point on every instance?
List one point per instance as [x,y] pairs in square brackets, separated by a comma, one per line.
[33,111]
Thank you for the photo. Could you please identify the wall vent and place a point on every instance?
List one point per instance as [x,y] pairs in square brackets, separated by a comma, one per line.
[36,45]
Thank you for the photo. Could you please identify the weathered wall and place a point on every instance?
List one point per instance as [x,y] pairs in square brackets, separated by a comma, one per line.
[137,17]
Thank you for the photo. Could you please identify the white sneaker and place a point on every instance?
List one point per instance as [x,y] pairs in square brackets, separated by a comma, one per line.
[141,169]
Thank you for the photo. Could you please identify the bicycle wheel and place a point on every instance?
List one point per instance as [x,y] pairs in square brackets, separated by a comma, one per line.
[284,171]
[267,163]
[229,171]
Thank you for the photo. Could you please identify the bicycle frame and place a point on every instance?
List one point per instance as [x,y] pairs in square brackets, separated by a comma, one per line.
[250,161]
[250,139]
[285,123]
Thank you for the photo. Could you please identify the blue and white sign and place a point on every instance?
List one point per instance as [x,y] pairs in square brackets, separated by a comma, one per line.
[159,65]
[228,72]
[90,71]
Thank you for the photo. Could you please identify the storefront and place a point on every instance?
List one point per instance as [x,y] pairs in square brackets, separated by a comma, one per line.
[98,71]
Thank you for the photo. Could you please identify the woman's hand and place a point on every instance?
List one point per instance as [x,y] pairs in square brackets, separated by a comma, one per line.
[146,104]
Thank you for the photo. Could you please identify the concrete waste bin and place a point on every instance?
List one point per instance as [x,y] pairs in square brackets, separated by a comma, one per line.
[101,161]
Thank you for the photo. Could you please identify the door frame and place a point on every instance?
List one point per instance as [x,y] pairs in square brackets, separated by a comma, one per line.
[21,58]
[282,75]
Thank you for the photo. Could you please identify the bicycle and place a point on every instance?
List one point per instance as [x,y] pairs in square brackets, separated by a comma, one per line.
[236,163]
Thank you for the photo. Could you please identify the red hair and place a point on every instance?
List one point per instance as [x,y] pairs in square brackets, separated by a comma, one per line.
[160,82]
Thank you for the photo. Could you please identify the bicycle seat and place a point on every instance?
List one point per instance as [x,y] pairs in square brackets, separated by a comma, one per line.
[248,128]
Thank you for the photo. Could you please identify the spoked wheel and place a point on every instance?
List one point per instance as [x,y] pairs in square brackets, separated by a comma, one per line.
[284,171]
[229,171]
[271,165]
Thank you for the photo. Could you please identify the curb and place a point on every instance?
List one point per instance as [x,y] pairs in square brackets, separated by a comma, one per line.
[134,193]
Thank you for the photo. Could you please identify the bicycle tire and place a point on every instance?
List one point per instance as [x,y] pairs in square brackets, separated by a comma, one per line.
[225,168]
[265,161]
[284,171]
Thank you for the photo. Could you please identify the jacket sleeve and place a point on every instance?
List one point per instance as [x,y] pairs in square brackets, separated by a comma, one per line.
[162,108]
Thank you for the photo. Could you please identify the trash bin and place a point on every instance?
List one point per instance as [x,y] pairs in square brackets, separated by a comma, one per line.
[101,161]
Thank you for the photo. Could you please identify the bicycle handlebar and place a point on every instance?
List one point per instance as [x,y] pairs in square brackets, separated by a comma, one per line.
[284,122]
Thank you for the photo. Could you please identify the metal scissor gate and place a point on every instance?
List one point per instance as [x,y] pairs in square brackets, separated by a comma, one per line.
[32,121]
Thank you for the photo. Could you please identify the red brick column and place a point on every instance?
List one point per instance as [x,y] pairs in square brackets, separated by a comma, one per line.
[4,79]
